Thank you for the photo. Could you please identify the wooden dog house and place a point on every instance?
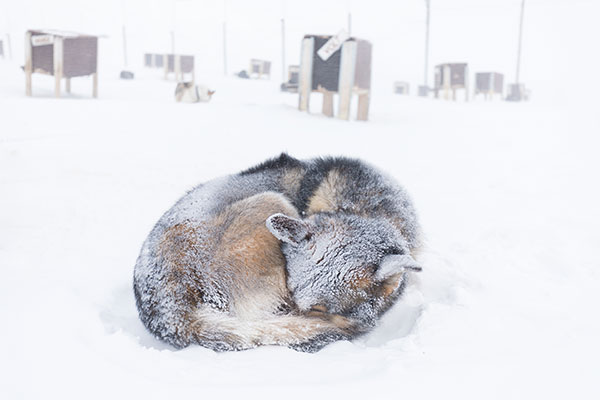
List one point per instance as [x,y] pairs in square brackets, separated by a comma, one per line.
[336,64]
[61,54]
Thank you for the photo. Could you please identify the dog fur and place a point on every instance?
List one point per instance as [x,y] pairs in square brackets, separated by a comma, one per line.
[289,252]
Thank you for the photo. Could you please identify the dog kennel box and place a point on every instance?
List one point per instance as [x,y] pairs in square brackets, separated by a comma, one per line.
[517,92]
[179,65]
[293,78]
[401,87]
[260,69]
[489,84]
[336,64]
[424,91]
[148,60]
[61,54]
[451,77]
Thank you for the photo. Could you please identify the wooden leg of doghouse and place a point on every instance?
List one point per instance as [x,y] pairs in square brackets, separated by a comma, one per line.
[305,75]
[328,103]
[95,88]
[346,78]
[166,66]
[56,85]
[177,66]
[58,65]
[363,107]
[466,84]
[28,90]
[67,85]
[28,64]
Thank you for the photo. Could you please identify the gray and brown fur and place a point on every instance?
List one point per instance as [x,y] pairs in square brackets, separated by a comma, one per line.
[232,264]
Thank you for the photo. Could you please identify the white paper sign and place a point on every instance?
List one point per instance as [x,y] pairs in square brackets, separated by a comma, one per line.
[42,40]
[332,45]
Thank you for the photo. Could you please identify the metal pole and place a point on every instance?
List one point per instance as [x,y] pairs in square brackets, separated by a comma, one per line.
[225,37]
[349,23]
[8,46]
[172,42]
[124,47]
[427,2]
[283,50]
[520,37]
[225,47]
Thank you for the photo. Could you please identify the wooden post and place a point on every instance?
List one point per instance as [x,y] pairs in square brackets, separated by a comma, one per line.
[28,63]
[520,40]
[282,50]
[68,85]
[124,47]
[349,23]
[346,78]
[177,68]
[446,80]
[466,83]
[8,46]
[95,83]
[426,43]
[58,64]
[363,106]
[225,47]
[327,102]
[166,65]
[305,75]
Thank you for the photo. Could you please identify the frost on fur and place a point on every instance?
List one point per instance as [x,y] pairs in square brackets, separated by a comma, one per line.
[290,252]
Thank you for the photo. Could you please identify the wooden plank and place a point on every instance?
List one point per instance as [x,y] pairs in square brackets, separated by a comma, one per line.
[332,45]
[28,64]
[346,80]
[95,85]
[364,51]
[446,80]
[58,64]
[328,103]
[363,107]
[166,65]
[177,68]
[305,76]
[466,80]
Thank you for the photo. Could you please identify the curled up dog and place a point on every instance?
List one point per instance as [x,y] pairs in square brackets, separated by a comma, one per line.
[291,252]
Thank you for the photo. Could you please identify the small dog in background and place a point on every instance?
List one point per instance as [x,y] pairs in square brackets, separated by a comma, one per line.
[188,92]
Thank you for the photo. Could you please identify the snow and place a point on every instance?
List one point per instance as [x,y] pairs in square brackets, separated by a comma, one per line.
[506,193]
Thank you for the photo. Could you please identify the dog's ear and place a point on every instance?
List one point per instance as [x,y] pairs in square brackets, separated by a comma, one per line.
[287,229]
[391,271]
[395,263]
[211,92]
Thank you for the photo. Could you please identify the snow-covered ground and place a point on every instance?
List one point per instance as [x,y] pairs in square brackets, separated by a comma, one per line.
[507,195]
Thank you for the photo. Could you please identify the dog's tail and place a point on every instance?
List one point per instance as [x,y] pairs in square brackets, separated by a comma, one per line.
[305,332]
